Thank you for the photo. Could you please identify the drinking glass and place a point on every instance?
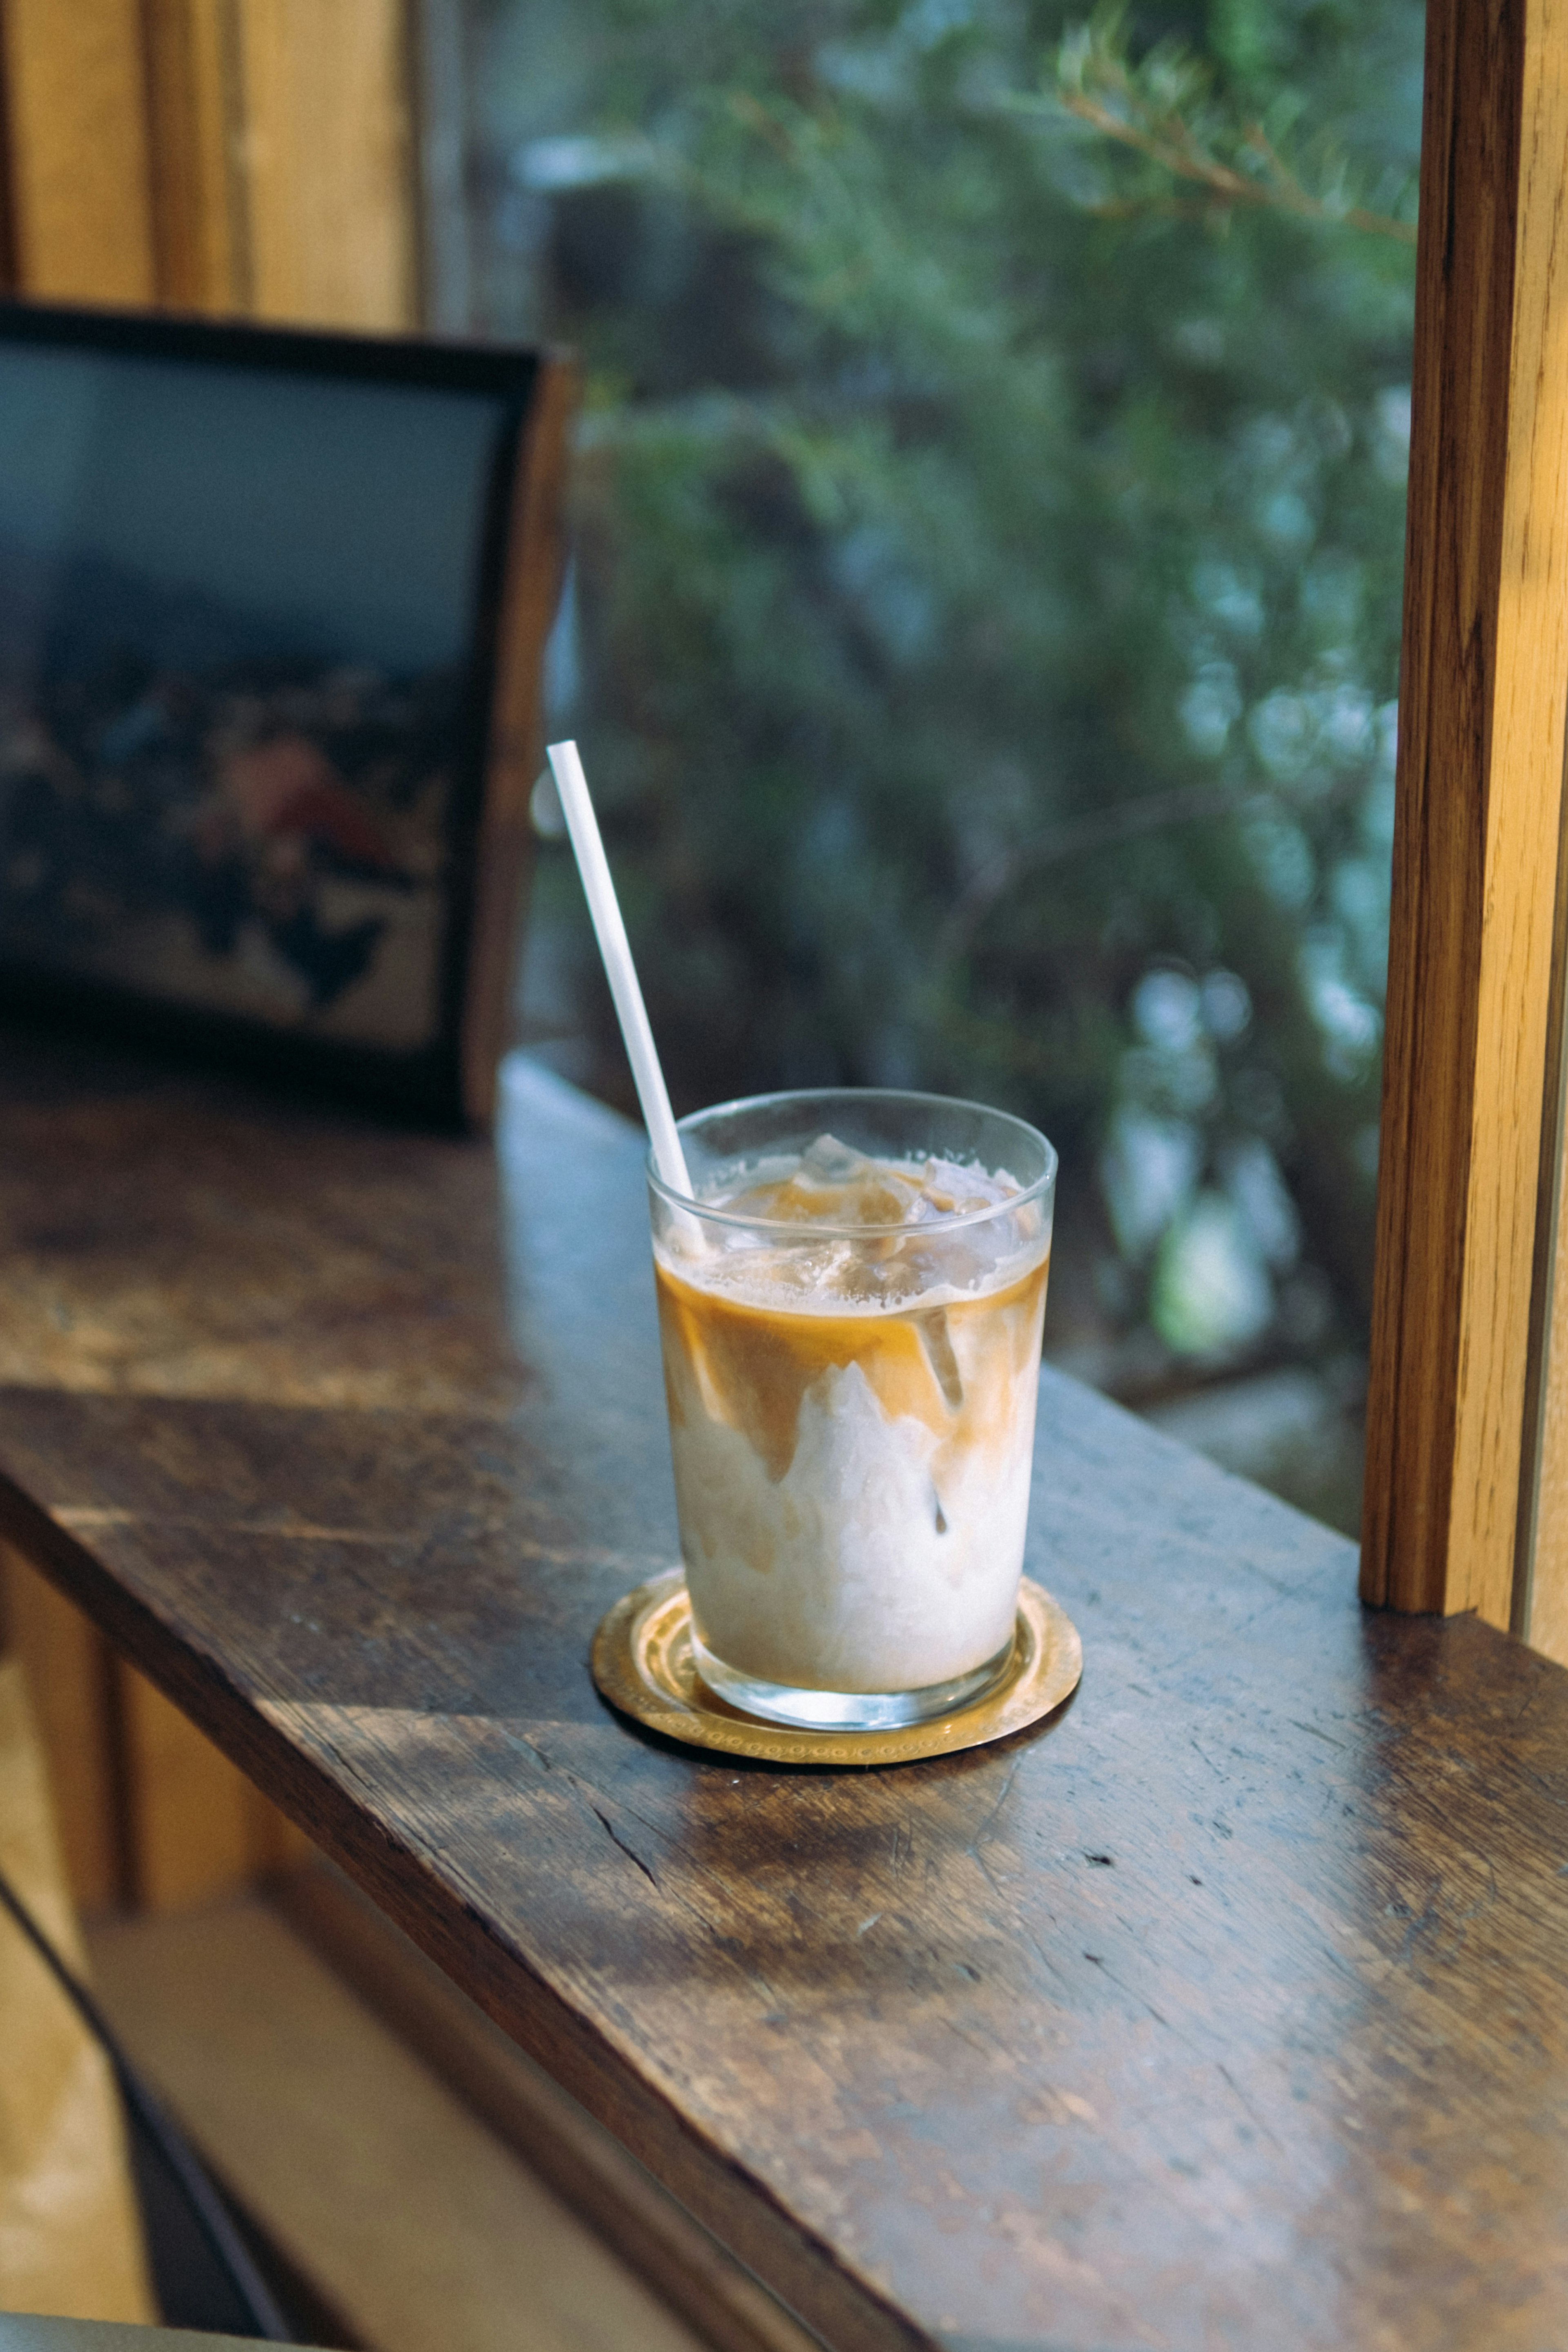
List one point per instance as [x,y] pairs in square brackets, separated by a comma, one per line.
[851,1403]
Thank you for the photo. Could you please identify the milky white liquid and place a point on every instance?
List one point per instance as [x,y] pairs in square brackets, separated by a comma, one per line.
[851,1420]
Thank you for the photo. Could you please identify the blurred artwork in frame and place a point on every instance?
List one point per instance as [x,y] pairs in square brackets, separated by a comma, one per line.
[272,615]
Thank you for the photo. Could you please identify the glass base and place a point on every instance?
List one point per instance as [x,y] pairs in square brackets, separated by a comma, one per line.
[825,1710]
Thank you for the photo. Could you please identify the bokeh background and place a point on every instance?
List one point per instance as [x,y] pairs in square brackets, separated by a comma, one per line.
[983,624]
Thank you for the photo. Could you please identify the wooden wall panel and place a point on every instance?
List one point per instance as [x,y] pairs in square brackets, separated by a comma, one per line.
[148,1812]
[77,139]
[67,1669]
[329,158]
[196,136]
[254,156]
[70,2234]
[1471,957]
[197,1828]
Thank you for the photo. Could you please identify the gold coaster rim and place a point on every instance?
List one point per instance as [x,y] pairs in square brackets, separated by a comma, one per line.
[630,1661]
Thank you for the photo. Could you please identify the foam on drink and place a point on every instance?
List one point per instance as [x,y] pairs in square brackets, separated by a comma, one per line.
[851,1414]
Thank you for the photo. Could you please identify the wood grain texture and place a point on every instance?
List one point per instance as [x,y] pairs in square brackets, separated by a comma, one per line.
[1228,2009]
[246,156]
[1520,965]
[197,150]
[1541,1599]
[329,168]
[77,166]
[594,2178]
[1478,815]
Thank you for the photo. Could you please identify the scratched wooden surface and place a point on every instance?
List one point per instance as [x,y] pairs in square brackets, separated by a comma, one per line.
[1228,2010]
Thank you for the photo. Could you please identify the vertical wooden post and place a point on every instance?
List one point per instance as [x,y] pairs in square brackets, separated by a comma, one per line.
[1483,698]
[195,114]
[1542,1610]
[329,158]
[78,168]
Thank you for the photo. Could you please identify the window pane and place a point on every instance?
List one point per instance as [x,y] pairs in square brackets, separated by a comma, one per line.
[984,621]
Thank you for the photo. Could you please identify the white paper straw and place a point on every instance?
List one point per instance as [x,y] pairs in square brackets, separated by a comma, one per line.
[618,969]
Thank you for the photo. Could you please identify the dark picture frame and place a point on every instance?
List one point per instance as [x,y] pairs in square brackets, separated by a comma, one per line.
[273,609]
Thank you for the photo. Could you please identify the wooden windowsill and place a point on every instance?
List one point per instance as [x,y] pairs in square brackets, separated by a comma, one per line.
[429,2187]
[1225,2007]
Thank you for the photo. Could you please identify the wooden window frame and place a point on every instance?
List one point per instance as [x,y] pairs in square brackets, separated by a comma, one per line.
[1464,1374]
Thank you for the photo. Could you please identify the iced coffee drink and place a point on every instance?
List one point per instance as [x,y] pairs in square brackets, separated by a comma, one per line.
[850,1302]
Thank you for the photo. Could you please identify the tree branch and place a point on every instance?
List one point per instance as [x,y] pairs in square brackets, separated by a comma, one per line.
[1186,159]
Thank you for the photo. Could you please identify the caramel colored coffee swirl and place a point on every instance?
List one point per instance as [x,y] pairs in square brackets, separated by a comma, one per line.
[892,1279]
[955,1368]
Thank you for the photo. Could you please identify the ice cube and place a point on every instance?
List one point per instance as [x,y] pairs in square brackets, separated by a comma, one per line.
[831,1161]
[879,1199]
[938,1343]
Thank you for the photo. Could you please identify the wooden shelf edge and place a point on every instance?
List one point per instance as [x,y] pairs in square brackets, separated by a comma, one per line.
[590,2172]
[739,2212]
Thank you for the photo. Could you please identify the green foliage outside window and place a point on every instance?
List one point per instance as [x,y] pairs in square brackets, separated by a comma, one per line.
[987,599]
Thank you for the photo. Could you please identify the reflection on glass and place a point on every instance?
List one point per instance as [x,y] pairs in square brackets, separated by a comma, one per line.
[984,621]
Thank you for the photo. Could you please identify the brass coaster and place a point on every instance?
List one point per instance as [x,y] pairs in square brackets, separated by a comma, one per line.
[642,1661]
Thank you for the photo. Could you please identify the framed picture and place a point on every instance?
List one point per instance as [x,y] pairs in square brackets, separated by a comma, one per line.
[272,612]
